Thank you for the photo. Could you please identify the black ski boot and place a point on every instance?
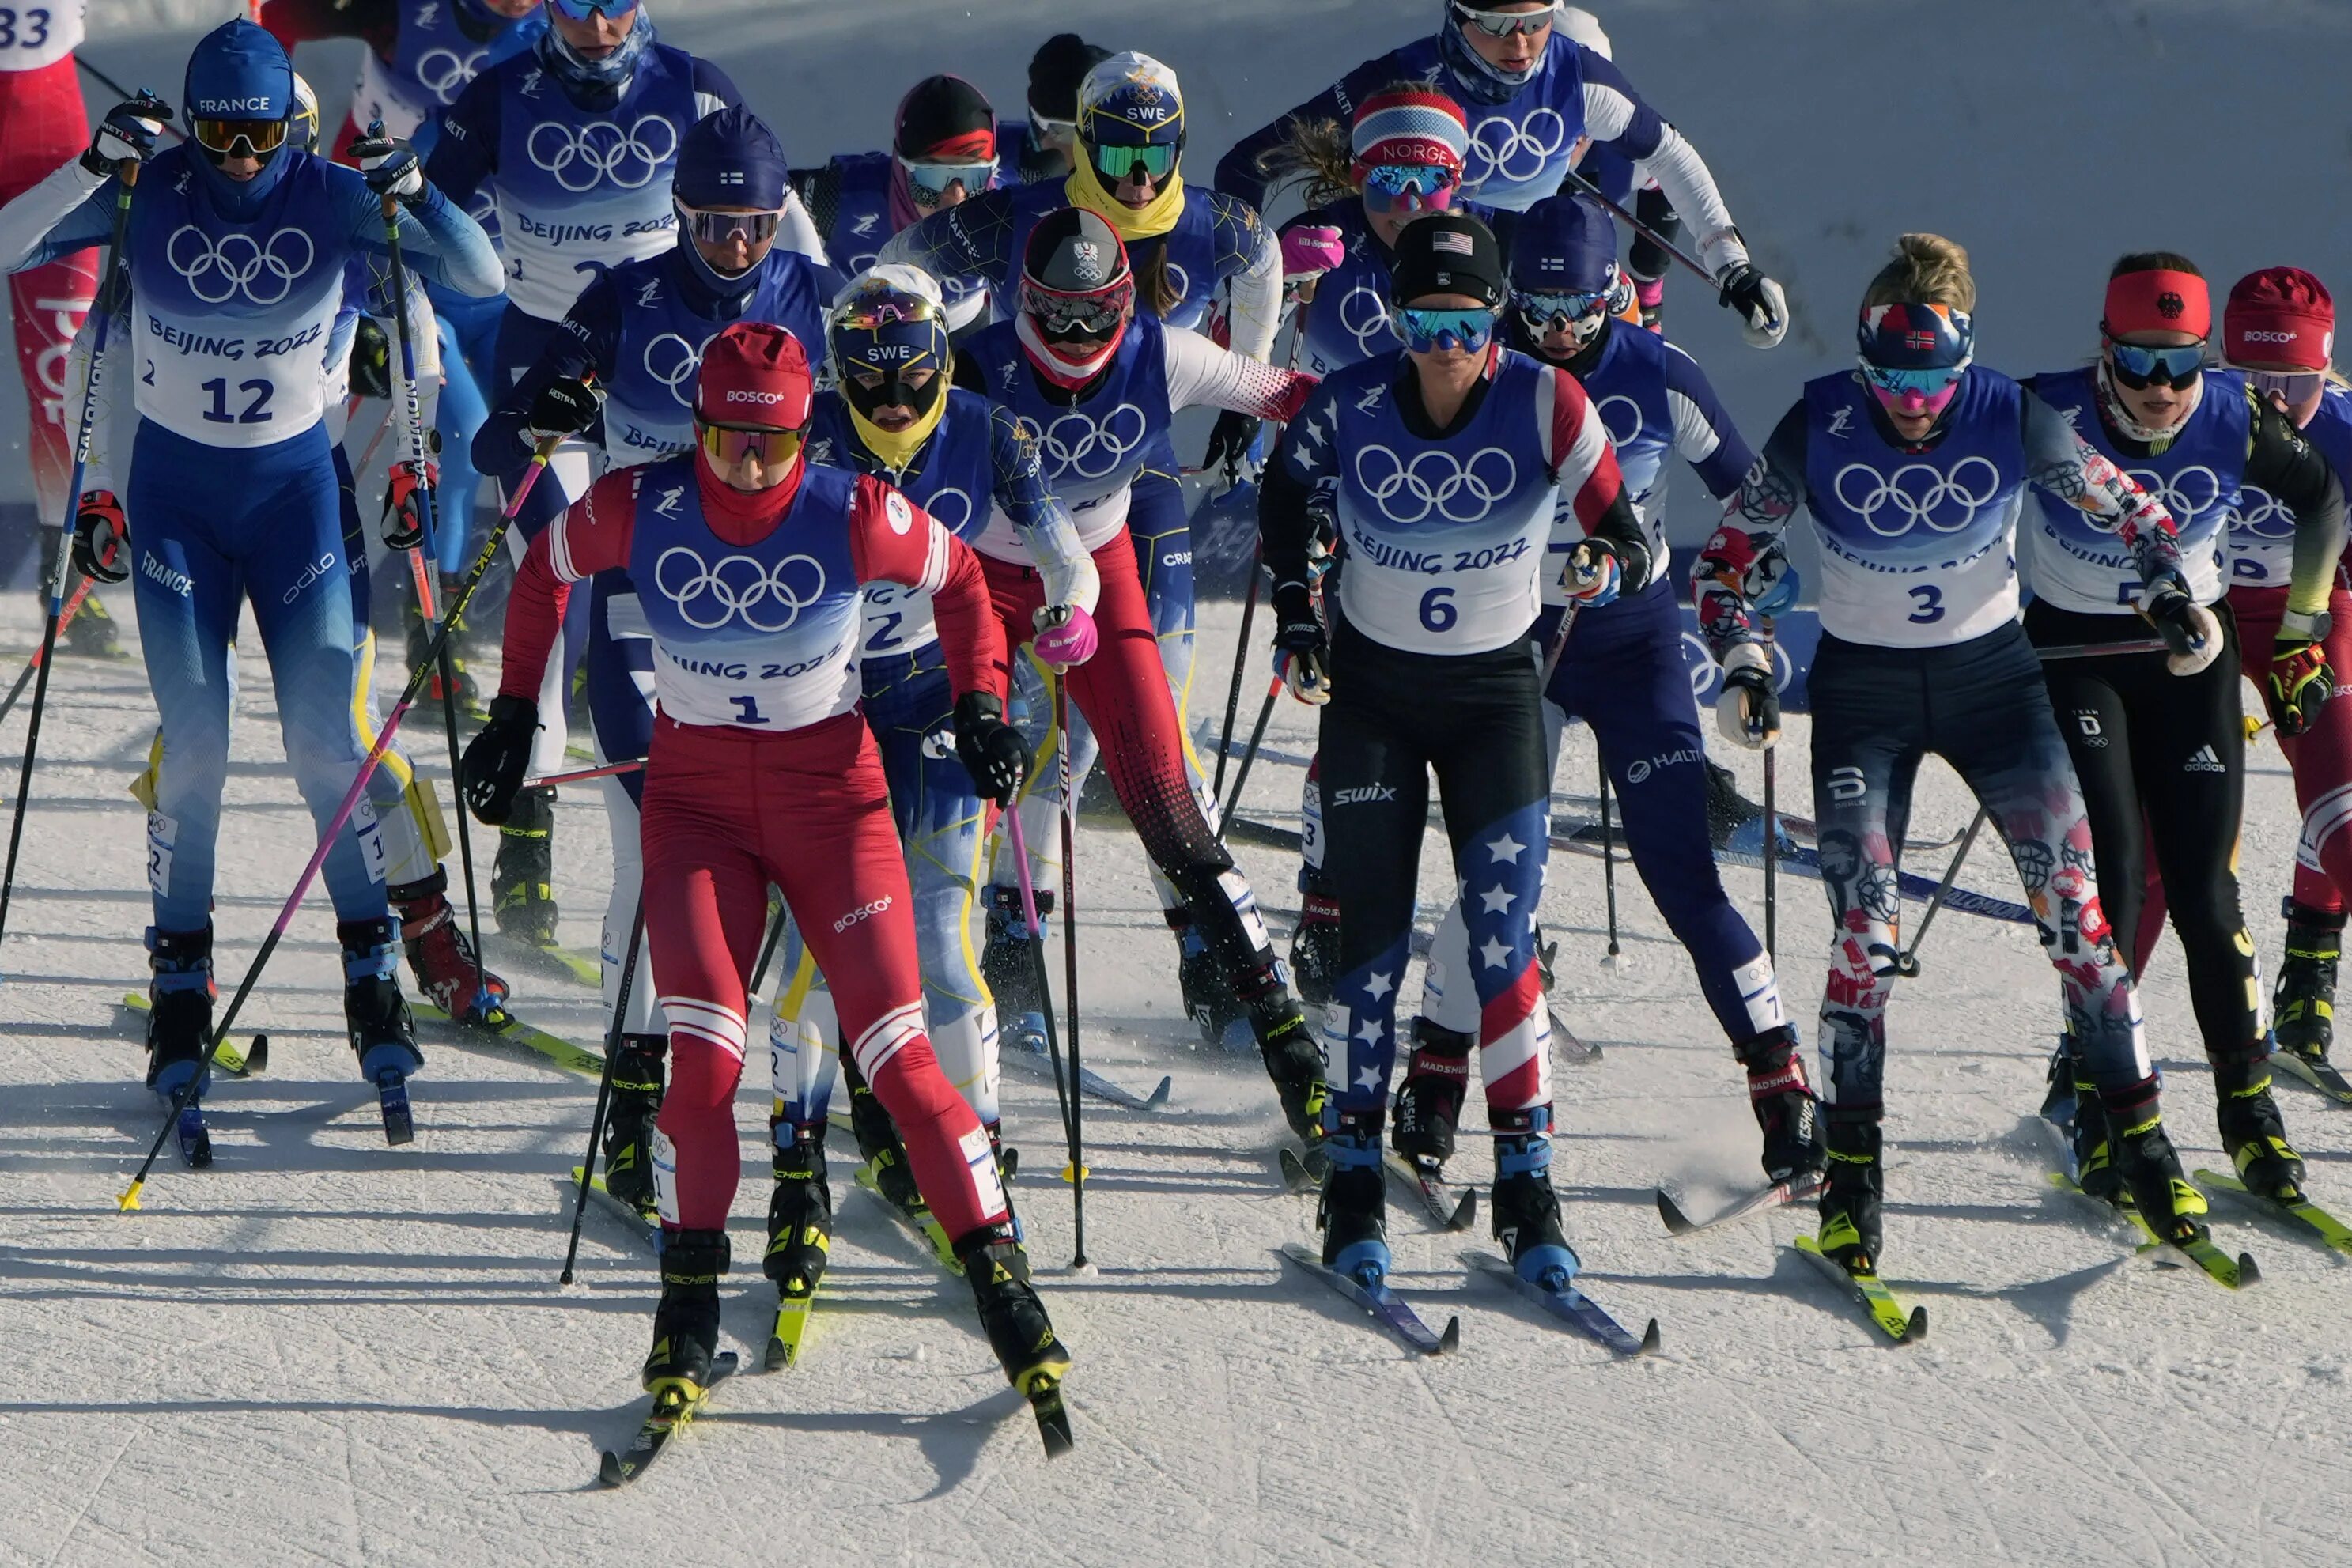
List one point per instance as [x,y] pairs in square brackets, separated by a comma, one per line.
[1010,967]
[449,973]
[1851,1195]
[878,1144]
[1011,1315]
[2305,1002]
[382,1035]
[1429,1100]
[2253,1134]
[1786,1110]
[2072,1104]
[800,1211]
[1315,946]
[1292,1058]
[1525,1217]
[522,882]
[1353,1214]
[629,1122]
[1222,1017]
[180,1007]
[2146,1168]
[686,1324]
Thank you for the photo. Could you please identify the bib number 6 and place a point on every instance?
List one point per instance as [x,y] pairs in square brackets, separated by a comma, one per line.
[1437,610]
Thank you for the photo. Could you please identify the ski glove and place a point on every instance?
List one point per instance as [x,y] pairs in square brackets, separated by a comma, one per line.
[1308,251]
[1229,448]
[2189,629]
[564,407]
[1763,308]
[370,361]
[389,167]
[1065,636]
[127,134]
[1302,656]
[994,752]
[1598,568]
[497,759]
[404,500]
[2300,680]
[1747,710]
[101,537]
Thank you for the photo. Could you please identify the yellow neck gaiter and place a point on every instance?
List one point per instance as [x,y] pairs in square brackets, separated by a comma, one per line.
[1085,190]
[897,448]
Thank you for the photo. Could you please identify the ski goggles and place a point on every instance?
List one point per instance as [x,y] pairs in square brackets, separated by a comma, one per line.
[1118,161]
[2293,386]
[928,183]
[1423,187]
[1425,331]
[2136,366]
[582,10]
[1552,312]
[1097,315]
[1503,24]
[238,138]
[1044,125]
[1929,383]
[717,227]
[727,445]
[866,313]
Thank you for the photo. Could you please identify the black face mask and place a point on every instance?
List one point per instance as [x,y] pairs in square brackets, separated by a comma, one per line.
[895,392]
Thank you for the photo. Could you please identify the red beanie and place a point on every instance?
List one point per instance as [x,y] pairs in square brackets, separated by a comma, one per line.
[2158,300]
[754,373]
[2279,316]
[1419,127]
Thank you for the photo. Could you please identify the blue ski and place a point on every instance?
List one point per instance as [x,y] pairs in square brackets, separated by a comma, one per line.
[1382,1302]
[1570,1305]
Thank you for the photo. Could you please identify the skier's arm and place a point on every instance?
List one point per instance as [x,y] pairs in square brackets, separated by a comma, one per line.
[1751,535]
[1201,372]
[2280,461]
[1249,257]
[2067,466]
[71,209]
[583,344]
[1591,492]
[593,534]
[1615,112]
[465,152]
[1704,434]
[1293,497]
[292,21]
[891,539]
[974,237]
[713,89]
[437,240]
[1038,516]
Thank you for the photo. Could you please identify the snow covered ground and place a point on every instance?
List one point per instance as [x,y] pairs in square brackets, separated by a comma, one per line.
[324,1350]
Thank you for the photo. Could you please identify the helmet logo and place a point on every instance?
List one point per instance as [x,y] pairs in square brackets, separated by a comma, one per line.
[1087,257]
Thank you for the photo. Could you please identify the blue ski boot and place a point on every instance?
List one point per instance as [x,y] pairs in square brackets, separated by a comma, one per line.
[382,1035]
[1353,1214]
[179,1030]
[1008,965]
[1526,1210]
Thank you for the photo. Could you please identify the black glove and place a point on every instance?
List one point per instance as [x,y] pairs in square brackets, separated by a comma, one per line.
[498,758]
[101,539]
[370,369]
[127,134]
[1763,307]
[565,406]
[994,752]
[1301,651]
[1229,448]
[389,167]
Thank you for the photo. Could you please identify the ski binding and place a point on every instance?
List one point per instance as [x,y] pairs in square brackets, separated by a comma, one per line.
[1382,1302]
[673,1408]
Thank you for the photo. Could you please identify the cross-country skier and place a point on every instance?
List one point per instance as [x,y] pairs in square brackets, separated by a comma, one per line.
[1047,146]
[637,332]
[1098,380]
[2158,738]
[1534,95]
[1623,673]
[762,771]
[1445,468]
[41,122]
[1612,170]
[1913,467]
[968,463]
[237,249]
[575,141]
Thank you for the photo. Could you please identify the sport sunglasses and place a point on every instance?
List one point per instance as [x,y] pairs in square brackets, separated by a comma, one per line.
[717,228]
[1503,24]
[728,445]
[582,10]
[928,183]
[1118,161]
[1426,330]
[230,138]
[2137,366]
[1926,382]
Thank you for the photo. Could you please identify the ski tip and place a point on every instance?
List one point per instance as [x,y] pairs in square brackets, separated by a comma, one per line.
[1677,1223]
[611,1471]
[257,1059]
[1157,1098]
[2250,1273]
[1452,1338]
[779,1356]
[130,1198]
[1916,1327]
[1650,1339]
[1465,1213]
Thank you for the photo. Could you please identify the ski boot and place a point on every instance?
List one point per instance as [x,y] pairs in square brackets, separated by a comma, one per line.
[1315,946]
[2253,1134]
[1353,1213]
[179,1030]
[800,1211]
[686,1324]
[382,1035]
[449,974]
[1429,1100]
[2146,1168]
[1851,1196]
[1293,1058]
[878,1144]
[1035,1361]
[629,1123]
[1526,1212]
[1786,1110]
[1649,295]
[90,634]
[1209,1000]
[1008,965]
[2305,1002]
[522,882]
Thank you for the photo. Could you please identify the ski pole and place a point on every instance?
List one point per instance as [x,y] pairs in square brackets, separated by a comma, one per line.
[1771,822]
[2104,650]
[604,1085]
[416,679]
[1241,663]
[127,176]
[549,780]
[115,88]
[486,1005]
[1249,756]
[1641,228]
[1063,1094]
[1608,849]
[1070,967]
[768,950]
[25,676]
[1907,964]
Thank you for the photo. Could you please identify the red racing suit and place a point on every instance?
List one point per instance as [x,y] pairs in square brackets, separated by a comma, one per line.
[42,124]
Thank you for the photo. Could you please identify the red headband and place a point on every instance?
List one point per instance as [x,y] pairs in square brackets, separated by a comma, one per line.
[972,147]
[2158,302]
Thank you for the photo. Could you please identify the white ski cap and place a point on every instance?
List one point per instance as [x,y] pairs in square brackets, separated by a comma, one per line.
[1129,74]
[1585,27]
[905,279]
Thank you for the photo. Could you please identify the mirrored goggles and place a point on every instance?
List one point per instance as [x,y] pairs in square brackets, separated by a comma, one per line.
[865,314]
[1553,312]
[2136,366]
[1503,24]
[1118,160]
[717,228]
[239,138]
[2293,386]
[1424,332]
[1095,316]
[1927,383]
[727,445]
[1424,186]
[582,10]
[928,183]
[1044,125]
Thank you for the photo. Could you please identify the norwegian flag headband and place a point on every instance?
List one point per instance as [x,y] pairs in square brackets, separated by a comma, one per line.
[1914,337]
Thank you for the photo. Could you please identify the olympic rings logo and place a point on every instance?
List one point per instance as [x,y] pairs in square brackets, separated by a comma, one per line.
[672,361]
[1364,312]
[219,271]
[1918,493]
[952,507]
[1075,444]
[1516,151]
[583,158]
[443,72]
[1616,410]
[2187,495]
[1180,285]
[1434,482]
[765,599]
[2263,515]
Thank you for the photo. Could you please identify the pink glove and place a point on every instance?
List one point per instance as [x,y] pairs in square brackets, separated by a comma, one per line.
[1310,250]
[1066,635]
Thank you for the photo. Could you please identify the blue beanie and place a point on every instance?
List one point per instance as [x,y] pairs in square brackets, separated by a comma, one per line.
[239,72]
[1563,244]
[730,158]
